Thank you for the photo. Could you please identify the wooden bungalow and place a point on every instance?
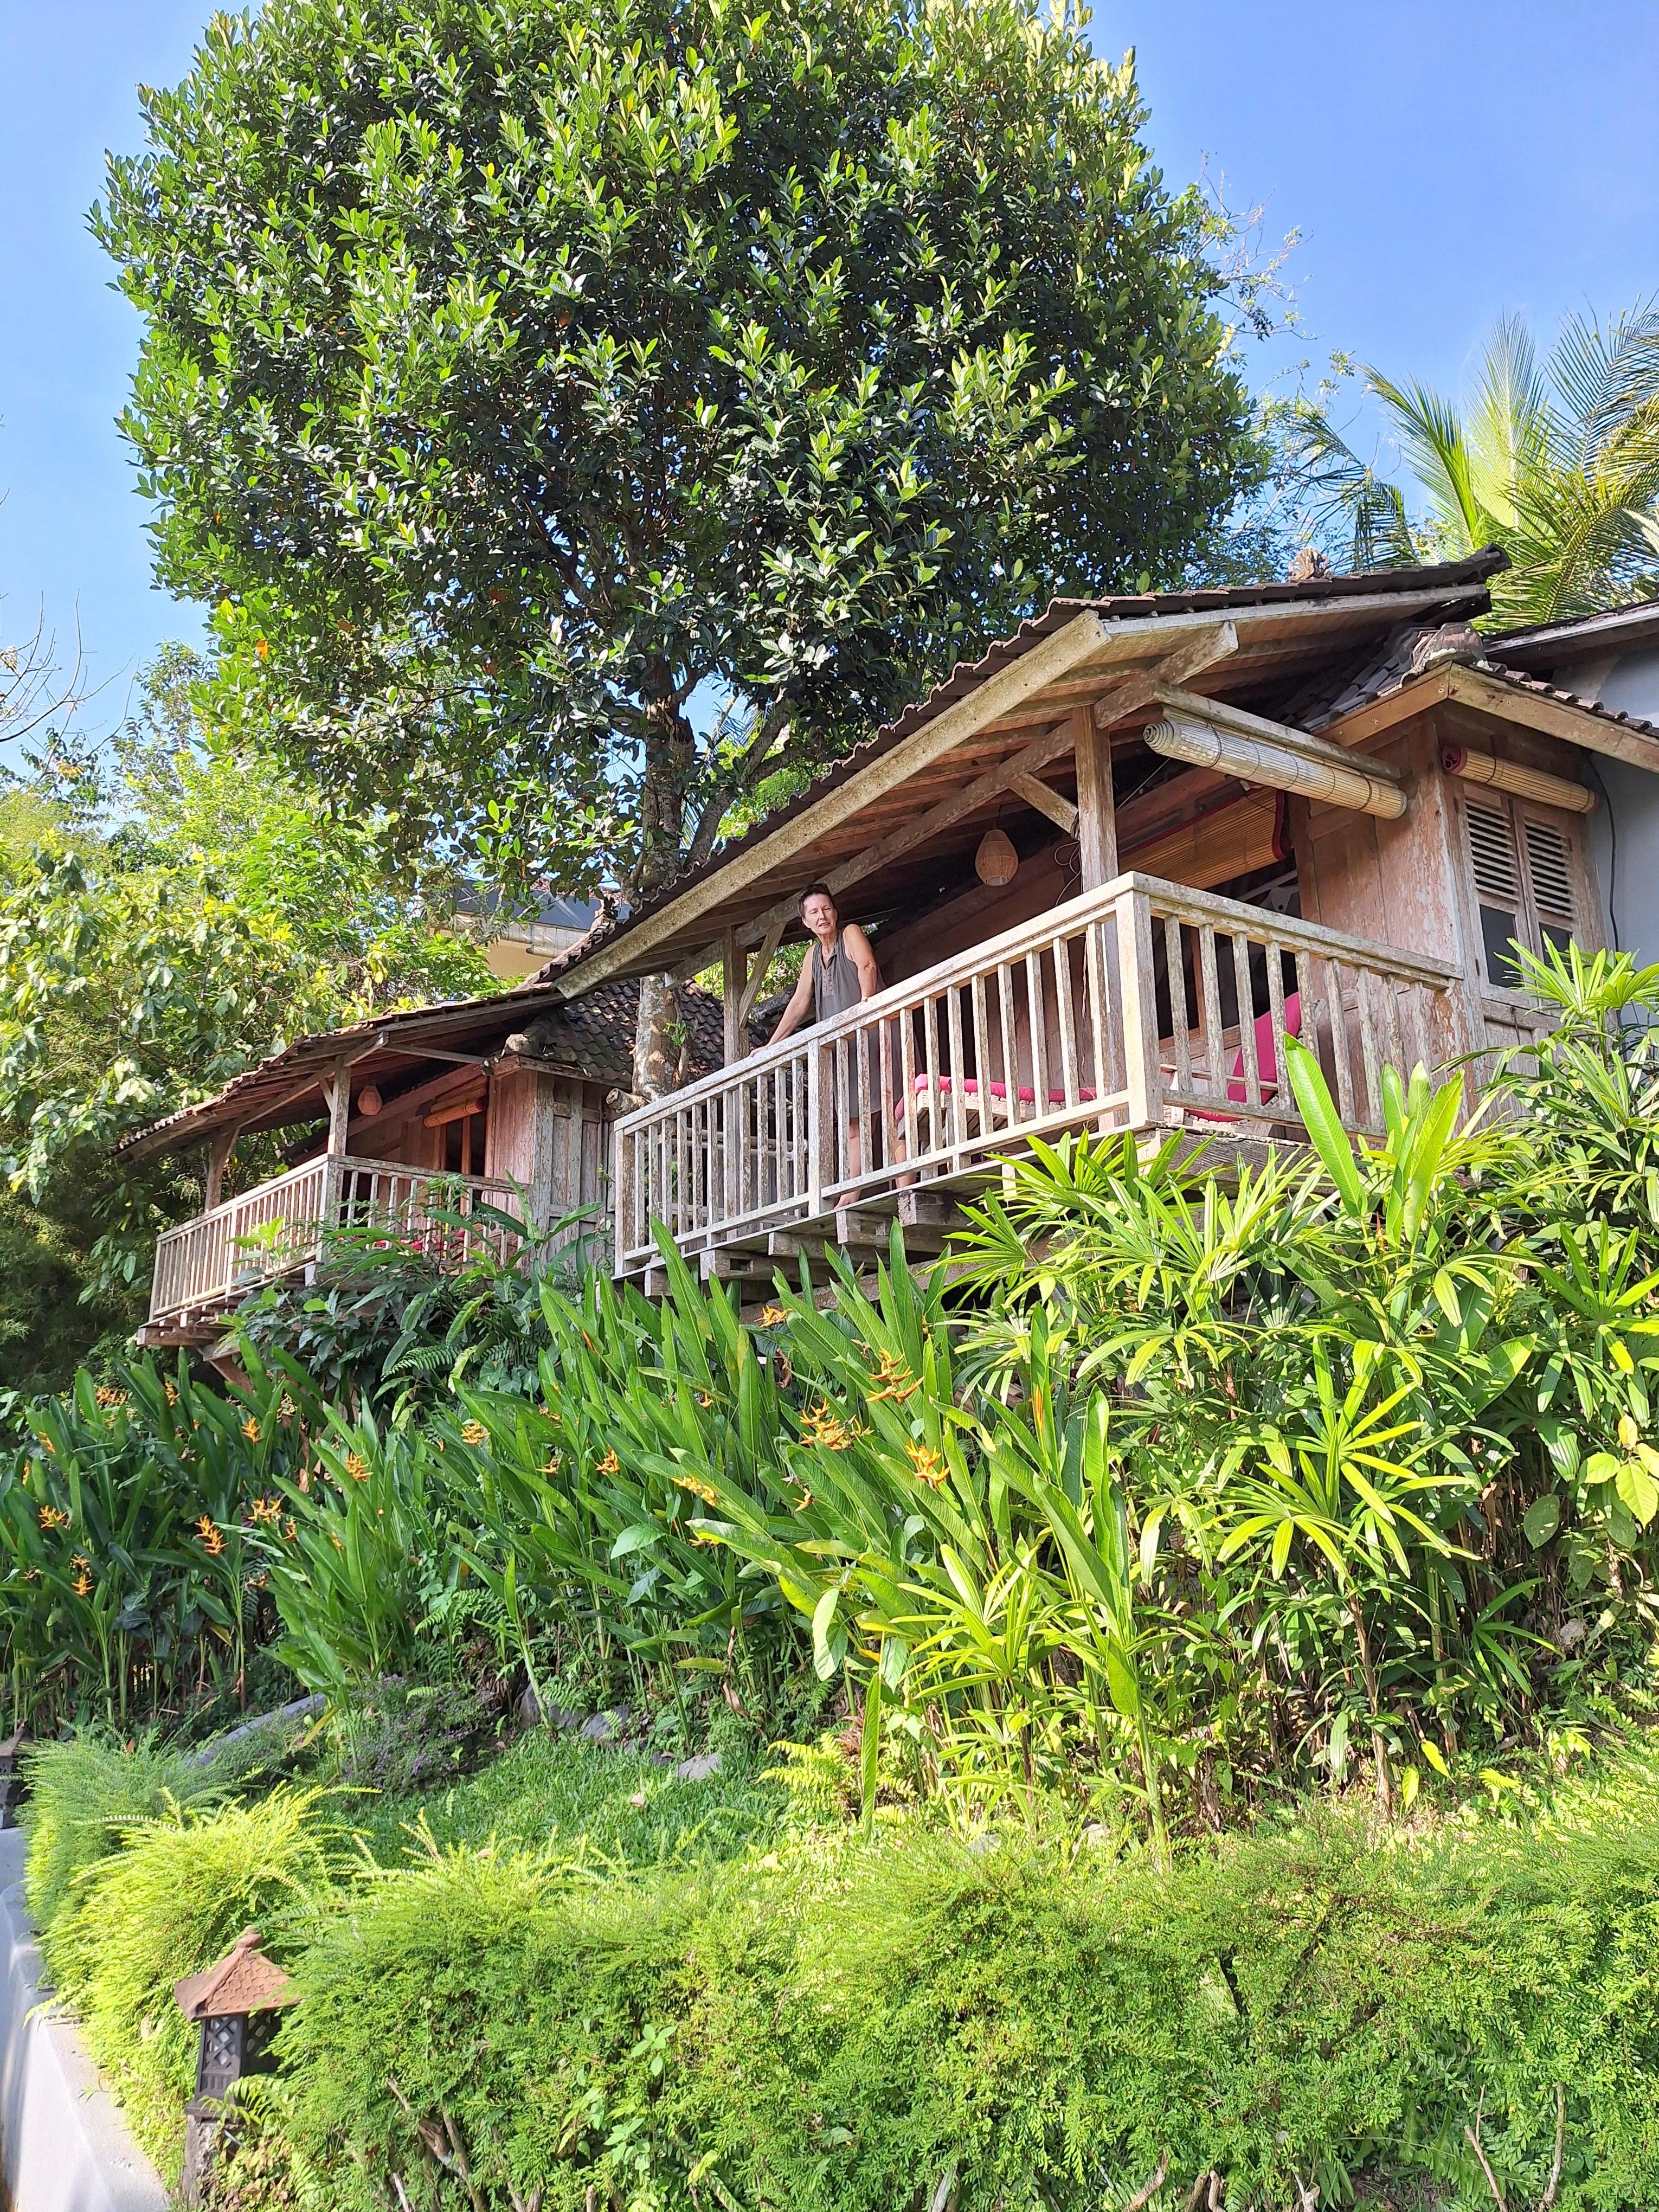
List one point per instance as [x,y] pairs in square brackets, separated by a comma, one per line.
[428,1126]
[1108,870]
[1319,809]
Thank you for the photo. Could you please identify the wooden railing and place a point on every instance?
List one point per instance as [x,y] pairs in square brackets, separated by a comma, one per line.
[1140,1005]
[209,1263]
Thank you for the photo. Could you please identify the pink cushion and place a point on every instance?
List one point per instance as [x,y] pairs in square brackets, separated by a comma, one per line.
[1267,1060]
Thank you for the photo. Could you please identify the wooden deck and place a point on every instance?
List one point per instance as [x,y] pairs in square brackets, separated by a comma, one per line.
[1067,1022]
[206,1267]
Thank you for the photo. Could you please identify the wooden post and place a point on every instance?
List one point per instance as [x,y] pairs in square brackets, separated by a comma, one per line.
[734,975]
[1134,967]
[339,1107]
[219,1153]
[1096,821]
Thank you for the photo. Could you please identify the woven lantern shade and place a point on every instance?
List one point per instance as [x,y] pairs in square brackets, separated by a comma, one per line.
[996,860]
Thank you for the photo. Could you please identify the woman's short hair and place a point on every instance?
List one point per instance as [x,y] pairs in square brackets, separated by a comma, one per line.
[816,890]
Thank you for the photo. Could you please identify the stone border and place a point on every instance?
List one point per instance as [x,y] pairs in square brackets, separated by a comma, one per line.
[64,2144]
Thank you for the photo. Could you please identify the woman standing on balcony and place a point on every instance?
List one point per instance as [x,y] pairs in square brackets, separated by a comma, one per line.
[839,972]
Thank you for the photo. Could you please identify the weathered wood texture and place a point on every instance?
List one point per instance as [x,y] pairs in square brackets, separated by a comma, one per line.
[549,1140]
[207,1266]
[1141,1005]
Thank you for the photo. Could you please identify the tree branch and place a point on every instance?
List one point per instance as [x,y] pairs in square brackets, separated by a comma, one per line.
[1547,2201]
[1472,2137]
[1143,2197]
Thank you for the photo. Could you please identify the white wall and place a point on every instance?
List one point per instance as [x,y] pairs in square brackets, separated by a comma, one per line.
[1627,846]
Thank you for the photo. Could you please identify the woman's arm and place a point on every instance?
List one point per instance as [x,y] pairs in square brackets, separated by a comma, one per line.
[860,951]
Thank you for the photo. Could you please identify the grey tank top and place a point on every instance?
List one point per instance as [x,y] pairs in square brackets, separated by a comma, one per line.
[834,981]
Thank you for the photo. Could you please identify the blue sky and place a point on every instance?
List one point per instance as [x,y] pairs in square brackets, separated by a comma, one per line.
[1442,163]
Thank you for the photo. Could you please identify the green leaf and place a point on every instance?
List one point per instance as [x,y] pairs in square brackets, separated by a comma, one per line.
[1638,1490]
[1541,1520]
[1323,1123]
[825,1660]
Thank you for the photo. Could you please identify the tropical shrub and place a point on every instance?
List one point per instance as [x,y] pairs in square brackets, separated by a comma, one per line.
[868,2025]
[171,1900]
[84,1792]
[129,1583]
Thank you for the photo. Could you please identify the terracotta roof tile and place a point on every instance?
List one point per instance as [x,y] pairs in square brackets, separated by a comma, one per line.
[243,1981]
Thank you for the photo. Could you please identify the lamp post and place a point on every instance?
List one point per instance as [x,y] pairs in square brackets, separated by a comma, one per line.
[235,2004]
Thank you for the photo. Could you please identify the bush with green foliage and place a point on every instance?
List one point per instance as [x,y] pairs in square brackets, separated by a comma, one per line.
[171,1900]
[84,1791]
[850,2025]
[171,910]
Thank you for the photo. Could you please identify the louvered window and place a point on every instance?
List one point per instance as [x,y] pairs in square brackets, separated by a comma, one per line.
[1525,869]
[1549,864]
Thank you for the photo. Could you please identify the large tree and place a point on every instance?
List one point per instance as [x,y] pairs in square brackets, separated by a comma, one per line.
[579,407]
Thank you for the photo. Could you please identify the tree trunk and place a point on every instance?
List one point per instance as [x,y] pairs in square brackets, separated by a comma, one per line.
[657,1038]
[665,787]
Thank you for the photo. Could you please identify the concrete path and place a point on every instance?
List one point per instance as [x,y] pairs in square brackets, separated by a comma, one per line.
[63,2145]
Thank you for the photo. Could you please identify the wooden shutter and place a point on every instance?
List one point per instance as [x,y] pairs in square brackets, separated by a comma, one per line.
[1497,865]
[1525,867]
[1550,876]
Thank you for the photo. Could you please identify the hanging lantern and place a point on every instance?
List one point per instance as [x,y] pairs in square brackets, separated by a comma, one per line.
[368,1101]
[996,860]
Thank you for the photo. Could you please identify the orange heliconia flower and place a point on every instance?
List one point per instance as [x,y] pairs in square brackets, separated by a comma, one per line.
[213,1542]
[822,1426]
[356,1466]
[929,1466]
[474,1432]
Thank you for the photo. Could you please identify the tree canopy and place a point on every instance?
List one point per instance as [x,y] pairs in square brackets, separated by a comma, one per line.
[566,402]
[168,916]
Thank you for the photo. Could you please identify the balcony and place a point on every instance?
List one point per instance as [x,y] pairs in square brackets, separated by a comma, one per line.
[1067,1022]
[206,1267]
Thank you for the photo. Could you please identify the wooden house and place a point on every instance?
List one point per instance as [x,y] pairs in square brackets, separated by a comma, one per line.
[1107,869]
[1324,808]
[426,1126]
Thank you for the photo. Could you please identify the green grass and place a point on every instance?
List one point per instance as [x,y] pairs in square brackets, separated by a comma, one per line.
[574,1799]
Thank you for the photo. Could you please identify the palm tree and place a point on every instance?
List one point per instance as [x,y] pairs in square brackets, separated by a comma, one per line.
[1557,463]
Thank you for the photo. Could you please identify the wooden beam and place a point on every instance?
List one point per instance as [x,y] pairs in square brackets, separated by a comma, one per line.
[337,1091]
[763,959]
[218,1160]
[1506,702]
[1097,818]
[396,1111]
[1083,640]
[1576,725]
[446,1115]
[734,974]
[1059,810]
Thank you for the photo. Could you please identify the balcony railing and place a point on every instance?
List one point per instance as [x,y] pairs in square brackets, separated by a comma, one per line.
[1140,1005]
[205,1266]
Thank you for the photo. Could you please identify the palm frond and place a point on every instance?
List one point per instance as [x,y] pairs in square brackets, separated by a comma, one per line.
[1509,422]
[1602,379]
[1432,438]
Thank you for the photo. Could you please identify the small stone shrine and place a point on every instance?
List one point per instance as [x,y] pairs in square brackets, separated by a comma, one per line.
[235,2003]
